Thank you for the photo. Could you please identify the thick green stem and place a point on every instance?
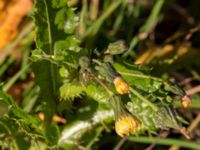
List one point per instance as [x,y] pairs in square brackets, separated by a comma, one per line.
[166,141]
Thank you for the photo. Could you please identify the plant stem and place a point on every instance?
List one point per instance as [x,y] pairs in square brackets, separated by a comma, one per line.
[83,17]
[192,126]
[94,28]
[194,123]
[148,26]
[14,78]
[101,83]
[166,141]
[154,107]
[6,64]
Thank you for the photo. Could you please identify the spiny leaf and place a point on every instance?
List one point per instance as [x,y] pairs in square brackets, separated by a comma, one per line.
[45,72]
[52,19]
[6,98]
[18,123]
[69,91]
[97,92]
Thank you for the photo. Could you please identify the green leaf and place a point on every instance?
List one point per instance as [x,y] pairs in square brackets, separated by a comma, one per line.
[3,108]
[134,76]
[92,138]
[69,91]
[70,43]
[52,134]
[166,118]
[37,55]
[50,19]
[17,126]
[4,97]
[55,24]
[115,48]
[5,103]
[69,25]
[97,93]
[74,131]
[144,113]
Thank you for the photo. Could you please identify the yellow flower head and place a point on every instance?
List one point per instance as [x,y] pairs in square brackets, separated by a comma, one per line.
[121,85]
[126,125]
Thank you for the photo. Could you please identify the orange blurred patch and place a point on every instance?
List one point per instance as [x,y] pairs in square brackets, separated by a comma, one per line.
[11,15]
[154,52]
[55,118]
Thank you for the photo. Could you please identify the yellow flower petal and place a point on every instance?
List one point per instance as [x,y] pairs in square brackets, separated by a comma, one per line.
[186,101]
[126,125]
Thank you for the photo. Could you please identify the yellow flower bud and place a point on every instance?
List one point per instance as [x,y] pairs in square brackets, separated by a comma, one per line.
[126,125]
[186,101]
[121,85]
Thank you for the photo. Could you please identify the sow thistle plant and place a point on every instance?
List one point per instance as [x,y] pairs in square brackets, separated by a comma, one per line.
[140,101]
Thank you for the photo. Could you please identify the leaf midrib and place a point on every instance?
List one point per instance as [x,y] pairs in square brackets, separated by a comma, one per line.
[52,68]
